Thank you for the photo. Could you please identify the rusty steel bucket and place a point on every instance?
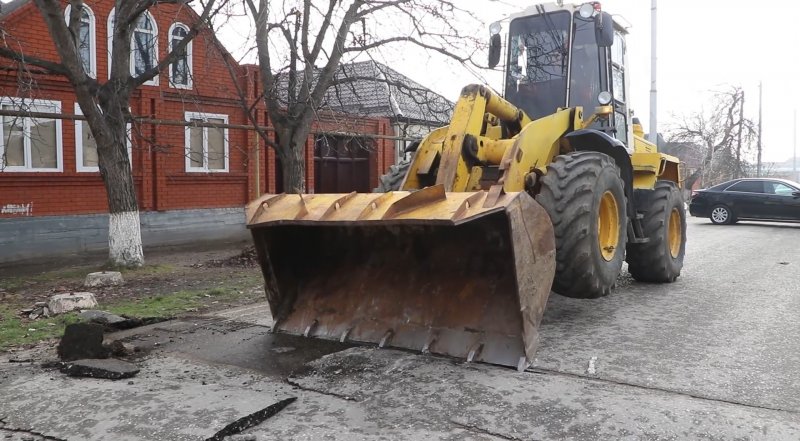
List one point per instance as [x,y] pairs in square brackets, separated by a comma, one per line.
[459,274]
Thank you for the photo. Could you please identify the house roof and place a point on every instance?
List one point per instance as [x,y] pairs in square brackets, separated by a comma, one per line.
[379,91]
[9,7]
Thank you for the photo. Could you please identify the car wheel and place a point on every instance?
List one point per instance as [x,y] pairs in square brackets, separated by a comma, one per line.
[721,215]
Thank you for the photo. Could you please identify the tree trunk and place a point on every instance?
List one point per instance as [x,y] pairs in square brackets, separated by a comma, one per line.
[293,160]
[124,233]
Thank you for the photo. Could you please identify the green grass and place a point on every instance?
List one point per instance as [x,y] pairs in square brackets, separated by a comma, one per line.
[169,305]
[16,331]
[13,332]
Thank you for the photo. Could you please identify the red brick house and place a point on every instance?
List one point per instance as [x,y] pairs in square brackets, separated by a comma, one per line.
[190,181]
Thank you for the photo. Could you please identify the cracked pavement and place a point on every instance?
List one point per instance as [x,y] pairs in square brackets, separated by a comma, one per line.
[712,356]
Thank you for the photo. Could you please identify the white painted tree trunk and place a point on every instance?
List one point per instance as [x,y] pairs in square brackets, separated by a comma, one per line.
[125,239]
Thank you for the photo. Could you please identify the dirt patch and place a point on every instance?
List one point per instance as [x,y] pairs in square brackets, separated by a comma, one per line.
[248,258]
[173,283]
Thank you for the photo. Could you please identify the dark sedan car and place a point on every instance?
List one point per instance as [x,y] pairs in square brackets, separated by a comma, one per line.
[748,199]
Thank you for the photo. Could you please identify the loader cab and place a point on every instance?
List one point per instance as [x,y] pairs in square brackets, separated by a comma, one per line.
[565,56]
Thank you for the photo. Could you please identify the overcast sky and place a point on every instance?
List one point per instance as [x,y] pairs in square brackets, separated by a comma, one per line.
[702,46]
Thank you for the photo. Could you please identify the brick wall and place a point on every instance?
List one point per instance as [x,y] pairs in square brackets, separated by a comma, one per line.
[158,158]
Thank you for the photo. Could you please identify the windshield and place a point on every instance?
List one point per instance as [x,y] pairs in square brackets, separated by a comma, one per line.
[536,78]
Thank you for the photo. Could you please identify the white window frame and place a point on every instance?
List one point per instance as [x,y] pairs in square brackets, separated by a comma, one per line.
[79,167]
[26,134]
[189,116]
[154,32]
[188,85]
[92,38]
[132,62]
[110,36]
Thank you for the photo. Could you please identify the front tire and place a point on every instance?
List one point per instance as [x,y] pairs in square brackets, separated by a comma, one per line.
[659,260]
[585,198]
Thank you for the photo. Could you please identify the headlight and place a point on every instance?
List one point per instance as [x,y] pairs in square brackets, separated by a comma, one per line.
[495,28]
[604,98]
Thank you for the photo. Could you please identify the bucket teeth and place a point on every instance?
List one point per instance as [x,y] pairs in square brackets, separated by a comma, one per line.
[523,364]
[474,351]
[426,348]
[385,339]
[310,328]
[346,332]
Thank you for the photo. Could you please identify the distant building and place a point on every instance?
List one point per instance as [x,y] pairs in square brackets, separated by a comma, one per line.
[788,169]
[412,109]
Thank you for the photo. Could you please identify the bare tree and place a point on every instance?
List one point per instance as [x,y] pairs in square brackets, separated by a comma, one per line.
[105,104]
[302,43]
[723,136]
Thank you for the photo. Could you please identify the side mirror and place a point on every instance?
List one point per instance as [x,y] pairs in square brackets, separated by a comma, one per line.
[604,29]
[796,194]
[494,50]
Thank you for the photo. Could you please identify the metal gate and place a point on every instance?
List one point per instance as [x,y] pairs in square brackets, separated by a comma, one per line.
[341,164]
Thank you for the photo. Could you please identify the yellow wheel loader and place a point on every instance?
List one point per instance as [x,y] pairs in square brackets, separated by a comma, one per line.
[550,186]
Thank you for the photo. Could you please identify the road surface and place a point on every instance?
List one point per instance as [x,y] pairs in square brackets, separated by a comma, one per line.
[713,356]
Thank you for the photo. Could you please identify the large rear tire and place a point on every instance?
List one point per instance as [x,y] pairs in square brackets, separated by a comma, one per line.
[585,198]
[392,180]
[659,260]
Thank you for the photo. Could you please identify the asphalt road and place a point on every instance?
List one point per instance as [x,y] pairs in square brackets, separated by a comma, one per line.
[713,356]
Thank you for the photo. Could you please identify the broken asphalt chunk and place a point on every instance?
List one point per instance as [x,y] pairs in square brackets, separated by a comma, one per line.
[100,317]
[111,369]
[82,340]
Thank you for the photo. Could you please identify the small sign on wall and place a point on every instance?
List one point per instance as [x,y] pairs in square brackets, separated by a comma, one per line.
[17,209]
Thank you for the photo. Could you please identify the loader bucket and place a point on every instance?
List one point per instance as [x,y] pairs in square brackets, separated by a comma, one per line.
[459,274]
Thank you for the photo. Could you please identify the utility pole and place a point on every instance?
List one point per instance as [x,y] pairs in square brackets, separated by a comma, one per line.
[653,64]
[758,164]
[794,151]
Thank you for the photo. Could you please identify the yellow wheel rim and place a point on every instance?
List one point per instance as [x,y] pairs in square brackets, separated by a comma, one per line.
[608,226]
[674,233]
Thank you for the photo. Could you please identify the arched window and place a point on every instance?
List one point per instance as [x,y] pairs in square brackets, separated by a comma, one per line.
[87,47]
[180,72]
[144,46]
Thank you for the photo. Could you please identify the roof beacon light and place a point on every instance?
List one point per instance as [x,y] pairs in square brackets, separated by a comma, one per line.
[587,10]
